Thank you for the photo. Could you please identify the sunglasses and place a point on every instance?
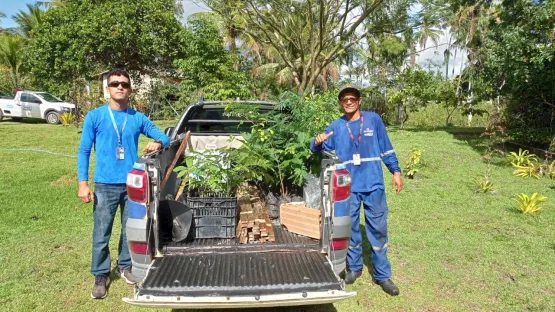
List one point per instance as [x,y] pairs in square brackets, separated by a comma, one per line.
[115,84]
[346,100]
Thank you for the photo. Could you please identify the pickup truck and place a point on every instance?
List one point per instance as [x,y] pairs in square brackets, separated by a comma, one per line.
[33,104]
[222,273]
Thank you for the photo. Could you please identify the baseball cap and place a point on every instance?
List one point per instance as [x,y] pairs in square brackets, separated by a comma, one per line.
[349,87]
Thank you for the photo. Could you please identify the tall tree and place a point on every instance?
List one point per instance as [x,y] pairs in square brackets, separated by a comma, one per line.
[29,20]
[517,63]
[207,67]
[11,56]
[308,35]
[82,38]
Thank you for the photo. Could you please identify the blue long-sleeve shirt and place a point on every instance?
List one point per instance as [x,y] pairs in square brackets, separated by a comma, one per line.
[374,148]
[98,130]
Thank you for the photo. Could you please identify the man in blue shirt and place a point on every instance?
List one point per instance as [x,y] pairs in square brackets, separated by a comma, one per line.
[114,131]
[360,140]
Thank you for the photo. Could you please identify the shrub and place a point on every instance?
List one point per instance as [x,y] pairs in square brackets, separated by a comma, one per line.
[523,158]
[282,136]
[529,205]
[530,170]
[413,162]
[221,170]
[67,119]
[484,185]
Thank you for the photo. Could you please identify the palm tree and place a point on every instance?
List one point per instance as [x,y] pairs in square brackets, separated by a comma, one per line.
[427,31]
[28,21]
[11,56]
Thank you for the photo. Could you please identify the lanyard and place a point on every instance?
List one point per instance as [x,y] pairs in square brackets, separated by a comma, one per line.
[116,127]
[359,133]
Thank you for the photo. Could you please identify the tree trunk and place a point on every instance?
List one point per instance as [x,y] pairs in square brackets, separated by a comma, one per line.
[412,55]
[400,110]
[232,34]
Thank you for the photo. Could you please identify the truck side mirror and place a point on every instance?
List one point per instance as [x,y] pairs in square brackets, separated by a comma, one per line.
[169,130]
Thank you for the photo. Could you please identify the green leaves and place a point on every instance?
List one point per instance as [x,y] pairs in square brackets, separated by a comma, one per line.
[413,163]
[529,204]
[83,38]
[522,158]
[282,138]
[208,66]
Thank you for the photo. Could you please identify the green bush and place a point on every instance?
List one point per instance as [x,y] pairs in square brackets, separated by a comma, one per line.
[283,136]
[529,204]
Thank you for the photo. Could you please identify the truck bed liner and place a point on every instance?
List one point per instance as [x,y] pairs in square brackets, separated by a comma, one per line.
[237,274]
[284,239]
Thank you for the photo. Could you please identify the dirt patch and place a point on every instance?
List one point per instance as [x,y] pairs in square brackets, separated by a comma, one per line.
[67,179]
[62,248]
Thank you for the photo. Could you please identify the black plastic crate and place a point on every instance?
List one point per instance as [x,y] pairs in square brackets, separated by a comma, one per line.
[214,215]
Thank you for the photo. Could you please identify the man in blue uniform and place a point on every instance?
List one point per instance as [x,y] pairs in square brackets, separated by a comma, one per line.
[360,140]
[114,131]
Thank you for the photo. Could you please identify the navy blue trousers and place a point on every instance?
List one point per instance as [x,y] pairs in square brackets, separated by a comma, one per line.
[375,219]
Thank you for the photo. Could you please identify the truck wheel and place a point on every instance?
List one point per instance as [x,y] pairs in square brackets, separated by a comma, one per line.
[53,118]
[17,118]
[1,115]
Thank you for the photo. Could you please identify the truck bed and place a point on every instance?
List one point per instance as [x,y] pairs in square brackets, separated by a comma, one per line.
[284,241]
[239,274]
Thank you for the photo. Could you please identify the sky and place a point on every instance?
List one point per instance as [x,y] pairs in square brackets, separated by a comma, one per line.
[11,7]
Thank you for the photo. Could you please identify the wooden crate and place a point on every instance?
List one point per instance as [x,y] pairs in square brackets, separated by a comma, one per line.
[301,220]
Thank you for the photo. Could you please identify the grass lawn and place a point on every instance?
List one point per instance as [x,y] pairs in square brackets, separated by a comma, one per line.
[451,249]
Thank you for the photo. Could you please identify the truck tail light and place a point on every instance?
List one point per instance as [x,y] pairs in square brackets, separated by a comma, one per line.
[137,189]
[139,248]
[339,243]
[341,184]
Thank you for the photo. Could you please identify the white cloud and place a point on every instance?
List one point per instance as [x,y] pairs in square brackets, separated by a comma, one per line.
[190,7]
[435,55]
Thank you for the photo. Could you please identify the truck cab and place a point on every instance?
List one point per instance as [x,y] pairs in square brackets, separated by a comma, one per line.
[34,104]
[221,272]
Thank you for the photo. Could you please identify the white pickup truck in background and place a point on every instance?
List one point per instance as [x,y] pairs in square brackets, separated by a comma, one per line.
[34,104]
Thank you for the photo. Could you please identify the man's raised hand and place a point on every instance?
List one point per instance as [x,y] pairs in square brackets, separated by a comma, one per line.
[320,138]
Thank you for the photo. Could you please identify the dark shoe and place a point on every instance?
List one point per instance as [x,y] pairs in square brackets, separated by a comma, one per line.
[99,290]
[126,275]
[352,276]
[388,287]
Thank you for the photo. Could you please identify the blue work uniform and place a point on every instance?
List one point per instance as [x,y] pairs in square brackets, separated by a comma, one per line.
[368,138]
[115,137]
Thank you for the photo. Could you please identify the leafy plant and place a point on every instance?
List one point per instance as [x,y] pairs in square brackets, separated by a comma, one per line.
[551,170]
[523,158]
[221,170]
[531,170]
[413,162]
[282,136]
[67,119]
[484,185]
[207,171]
[529,205]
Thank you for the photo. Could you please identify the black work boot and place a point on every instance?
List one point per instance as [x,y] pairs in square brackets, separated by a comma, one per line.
[388,287]
[352,276]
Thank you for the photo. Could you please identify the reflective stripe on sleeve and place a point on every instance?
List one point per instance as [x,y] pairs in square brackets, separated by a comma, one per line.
[387,153]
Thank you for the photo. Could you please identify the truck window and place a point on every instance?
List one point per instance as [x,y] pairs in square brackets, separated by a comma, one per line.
[217,120]
[49,97]
[27,97]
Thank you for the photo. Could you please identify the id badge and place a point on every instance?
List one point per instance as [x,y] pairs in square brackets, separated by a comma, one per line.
[120,153]
[356,159]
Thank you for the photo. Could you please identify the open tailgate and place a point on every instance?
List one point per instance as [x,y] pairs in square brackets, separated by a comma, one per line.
[233,280]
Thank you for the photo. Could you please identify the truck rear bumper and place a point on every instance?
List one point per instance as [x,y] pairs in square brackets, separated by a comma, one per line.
[294,299]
